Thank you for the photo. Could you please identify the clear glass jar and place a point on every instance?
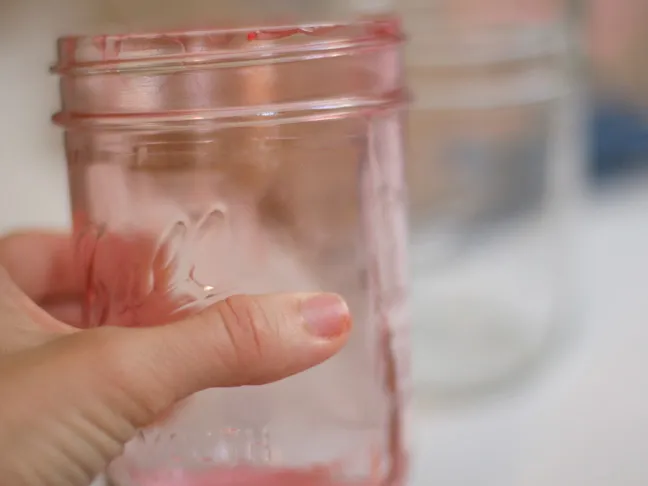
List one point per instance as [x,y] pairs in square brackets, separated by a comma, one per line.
[495,169]
[209,163]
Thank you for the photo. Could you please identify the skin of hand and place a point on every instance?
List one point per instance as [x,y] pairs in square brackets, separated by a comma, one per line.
[70,398]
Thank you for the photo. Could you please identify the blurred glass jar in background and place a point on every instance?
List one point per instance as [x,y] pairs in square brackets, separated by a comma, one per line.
[493,168]
[204,164]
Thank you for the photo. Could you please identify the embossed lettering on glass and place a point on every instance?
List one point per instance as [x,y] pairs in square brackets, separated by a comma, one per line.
[212,163]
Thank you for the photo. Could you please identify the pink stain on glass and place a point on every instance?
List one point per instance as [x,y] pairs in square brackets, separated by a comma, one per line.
[209,163]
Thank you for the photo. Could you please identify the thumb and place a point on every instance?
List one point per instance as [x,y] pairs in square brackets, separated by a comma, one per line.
[242,340]
[87,393]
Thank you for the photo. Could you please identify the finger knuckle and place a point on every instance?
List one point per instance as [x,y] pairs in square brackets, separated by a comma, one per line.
[246,326]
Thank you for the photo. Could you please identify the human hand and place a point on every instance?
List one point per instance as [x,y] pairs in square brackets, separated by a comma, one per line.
[71,398]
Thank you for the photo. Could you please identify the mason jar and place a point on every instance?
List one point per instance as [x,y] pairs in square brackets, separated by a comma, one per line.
[204,164]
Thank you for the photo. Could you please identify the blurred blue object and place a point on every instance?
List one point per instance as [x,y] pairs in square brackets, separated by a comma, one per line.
[620,139]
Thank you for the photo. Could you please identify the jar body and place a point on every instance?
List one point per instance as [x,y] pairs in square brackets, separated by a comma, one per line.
[170,218]
[495,173]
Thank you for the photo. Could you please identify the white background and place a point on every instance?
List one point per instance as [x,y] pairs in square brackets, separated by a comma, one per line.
[582,421]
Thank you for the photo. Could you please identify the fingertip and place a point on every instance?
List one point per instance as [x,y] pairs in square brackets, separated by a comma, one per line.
[326,315]
[41,263]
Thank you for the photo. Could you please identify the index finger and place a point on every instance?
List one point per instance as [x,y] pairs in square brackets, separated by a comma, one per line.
[41,264]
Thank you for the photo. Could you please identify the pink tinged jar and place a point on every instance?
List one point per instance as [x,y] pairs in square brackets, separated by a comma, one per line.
[204,164]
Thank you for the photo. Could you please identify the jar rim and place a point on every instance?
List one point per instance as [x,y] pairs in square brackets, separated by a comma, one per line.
[489,47]
[89,54]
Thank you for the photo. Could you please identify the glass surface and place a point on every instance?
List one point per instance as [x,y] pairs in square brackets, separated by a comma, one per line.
[494,172]
[207,164]
[127,16]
